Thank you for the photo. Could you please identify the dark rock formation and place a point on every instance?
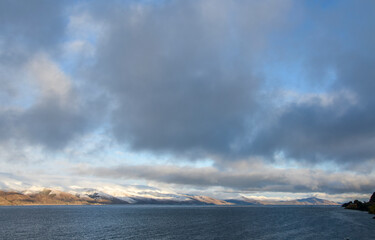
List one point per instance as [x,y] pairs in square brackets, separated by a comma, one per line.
[372,199]
[362,206]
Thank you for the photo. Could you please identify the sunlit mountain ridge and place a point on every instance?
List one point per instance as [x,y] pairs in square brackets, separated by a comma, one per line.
[92,197]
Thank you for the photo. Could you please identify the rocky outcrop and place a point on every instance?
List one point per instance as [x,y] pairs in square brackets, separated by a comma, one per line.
[372,199]
[362,206]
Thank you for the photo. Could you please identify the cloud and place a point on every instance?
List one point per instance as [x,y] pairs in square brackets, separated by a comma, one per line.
[189,79]
[54,117]
[31,26]
[42,104]
[263,178]
[27,28]
[314,132]
[181,74]
[337,56]
[228,81]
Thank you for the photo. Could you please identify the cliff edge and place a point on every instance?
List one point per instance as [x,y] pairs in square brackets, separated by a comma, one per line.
[362,206]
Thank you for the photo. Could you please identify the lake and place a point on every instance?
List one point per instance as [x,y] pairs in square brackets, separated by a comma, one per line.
[184,222]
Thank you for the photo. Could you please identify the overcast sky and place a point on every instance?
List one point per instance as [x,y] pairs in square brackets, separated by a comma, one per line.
[219,97]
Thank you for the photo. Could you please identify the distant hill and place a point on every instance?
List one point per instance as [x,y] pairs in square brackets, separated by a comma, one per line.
[45,197]
[21,191]
[304,201]
[316,201]
[54,197]
[92,197]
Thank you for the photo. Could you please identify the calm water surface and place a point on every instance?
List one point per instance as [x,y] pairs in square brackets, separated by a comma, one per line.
[184,222]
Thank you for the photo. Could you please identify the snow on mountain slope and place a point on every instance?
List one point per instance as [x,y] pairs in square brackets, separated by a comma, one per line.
[109,193]
[94,191]
[130,194]
[304,201]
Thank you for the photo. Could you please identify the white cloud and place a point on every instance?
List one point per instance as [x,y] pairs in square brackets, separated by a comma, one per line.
[50,79]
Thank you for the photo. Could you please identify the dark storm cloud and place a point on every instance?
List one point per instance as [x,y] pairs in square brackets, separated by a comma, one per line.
[182,74]
[187,77]
[196,79]
[315,133]
[30,26]
[26,27]
[48,124]
[343,129]
[183,78]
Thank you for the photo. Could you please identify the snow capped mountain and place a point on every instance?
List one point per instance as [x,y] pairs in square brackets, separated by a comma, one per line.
[130,194]
[24,192]
[316,201]
[303,201]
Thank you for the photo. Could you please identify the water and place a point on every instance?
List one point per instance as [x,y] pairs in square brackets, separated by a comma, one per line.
[184,222]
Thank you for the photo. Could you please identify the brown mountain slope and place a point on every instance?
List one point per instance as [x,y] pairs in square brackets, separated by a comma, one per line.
[209,200]
[45,197]
[49,197]
[54,197]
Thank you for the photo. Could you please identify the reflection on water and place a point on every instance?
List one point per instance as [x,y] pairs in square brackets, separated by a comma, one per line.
[184,222]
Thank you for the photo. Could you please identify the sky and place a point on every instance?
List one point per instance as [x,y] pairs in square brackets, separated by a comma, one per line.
[270,99]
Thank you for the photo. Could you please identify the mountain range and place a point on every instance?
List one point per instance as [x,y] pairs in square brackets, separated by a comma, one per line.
[303,201]
[22,191]
[93,197]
